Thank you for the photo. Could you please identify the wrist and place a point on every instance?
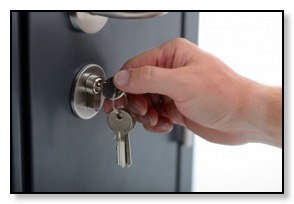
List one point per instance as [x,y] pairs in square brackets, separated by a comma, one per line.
[264,114]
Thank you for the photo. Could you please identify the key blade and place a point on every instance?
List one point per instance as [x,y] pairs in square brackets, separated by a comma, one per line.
[121,126]
[123,150]
[120,150]
[128,150]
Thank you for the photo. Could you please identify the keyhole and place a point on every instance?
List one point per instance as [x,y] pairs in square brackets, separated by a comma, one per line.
[98,85]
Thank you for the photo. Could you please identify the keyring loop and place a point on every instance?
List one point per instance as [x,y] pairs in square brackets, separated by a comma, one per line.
[116,110]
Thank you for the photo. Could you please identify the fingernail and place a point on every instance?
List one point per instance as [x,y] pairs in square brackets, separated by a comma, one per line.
[146,119]
[164,127]
[122,77]
[134,108]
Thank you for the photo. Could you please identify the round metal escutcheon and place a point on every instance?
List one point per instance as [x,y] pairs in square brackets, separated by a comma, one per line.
[79,95]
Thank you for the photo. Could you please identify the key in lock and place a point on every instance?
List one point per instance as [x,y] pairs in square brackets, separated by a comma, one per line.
[89,90]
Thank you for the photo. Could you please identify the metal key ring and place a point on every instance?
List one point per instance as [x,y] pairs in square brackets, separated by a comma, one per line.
[116,110]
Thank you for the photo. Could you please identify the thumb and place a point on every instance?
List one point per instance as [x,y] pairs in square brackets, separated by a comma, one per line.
[147,79]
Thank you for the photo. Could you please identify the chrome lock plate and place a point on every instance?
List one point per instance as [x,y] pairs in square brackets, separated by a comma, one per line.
[86,94]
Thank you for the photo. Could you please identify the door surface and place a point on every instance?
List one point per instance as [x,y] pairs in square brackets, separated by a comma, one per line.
[55,151]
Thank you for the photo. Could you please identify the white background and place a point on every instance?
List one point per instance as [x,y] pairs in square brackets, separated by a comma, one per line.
[251,44]
[5,196]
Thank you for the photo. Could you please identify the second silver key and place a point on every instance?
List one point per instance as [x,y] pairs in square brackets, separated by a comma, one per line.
[121,124]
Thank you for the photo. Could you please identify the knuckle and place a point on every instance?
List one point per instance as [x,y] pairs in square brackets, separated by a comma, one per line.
[175,42]
[146,73]
[179,41]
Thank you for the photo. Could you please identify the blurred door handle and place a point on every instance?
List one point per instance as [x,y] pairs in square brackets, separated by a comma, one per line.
[188,138]
[92,22]
[129,15]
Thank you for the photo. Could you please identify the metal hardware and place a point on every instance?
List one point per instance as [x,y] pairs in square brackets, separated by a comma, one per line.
[86,22]
[86,93]
[121,124]
[187,138]
[110,91]
[94,84]
[129,15]
[92,22]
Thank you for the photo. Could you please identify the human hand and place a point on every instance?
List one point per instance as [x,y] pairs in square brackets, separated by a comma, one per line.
[178,83]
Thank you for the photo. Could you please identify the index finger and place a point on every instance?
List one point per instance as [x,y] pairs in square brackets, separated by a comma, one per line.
[171,54]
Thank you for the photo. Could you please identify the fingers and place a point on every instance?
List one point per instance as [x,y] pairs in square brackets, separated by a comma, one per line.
[157,70]
[155,123]
[152,119]
[108,106]
[145,113]
[153,72]
[164,125]
[150,79]
[137,104]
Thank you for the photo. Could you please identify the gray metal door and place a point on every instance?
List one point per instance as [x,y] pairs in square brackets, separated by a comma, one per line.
[52,149]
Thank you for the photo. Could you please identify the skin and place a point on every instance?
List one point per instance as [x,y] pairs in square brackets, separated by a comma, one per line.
[178,83]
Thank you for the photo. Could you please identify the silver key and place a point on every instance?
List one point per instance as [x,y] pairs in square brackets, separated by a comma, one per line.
[121,123]
[110,91]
